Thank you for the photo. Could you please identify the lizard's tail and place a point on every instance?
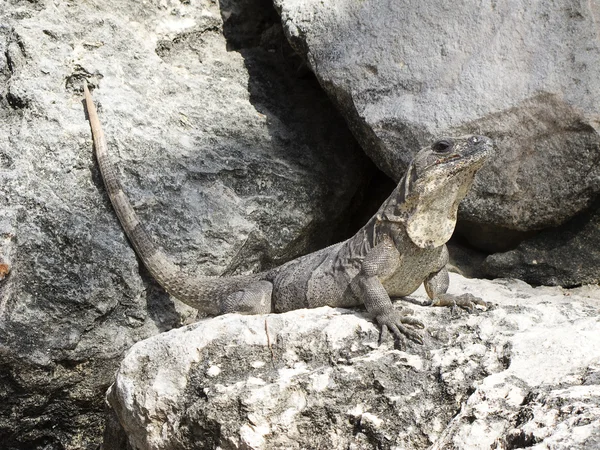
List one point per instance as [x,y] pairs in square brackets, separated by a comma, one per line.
[202,293]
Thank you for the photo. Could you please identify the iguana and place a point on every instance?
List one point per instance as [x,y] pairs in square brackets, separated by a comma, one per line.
[400,247]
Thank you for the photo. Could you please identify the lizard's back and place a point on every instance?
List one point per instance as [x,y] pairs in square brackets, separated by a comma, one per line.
[324,278]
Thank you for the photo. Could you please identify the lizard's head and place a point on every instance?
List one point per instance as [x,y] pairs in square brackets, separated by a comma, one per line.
[448,158]
[437,179]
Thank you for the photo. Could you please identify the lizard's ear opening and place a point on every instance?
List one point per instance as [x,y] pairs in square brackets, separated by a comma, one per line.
[407,184]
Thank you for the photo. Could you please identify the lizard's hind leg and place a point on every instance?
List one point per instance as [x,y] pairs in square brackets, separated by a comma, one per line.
[253,299]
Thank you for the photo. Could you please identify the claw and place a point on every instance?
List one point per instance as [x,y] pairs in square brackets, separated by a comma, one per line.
[412,335]
[413,321]
[383,334]
[393,321]
[400,340]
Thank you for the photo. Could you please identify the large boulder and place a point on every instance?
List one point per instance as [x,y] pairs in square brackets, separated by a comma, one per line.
[233,158]
[526,372]
[524,73]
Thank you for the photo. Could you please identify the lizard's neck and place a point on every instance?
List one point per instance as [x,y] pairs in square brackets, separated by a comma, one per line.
[427,213]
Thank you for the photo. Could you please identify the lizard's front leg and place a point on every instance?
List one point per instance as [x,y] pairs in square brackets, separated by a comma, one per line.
[380,262]
[436,285]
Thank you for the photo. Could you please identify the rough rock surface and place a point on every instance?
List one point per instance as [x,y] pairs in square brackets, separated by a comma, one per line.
[566,256]
[233,157]
[526,372]
[522,72]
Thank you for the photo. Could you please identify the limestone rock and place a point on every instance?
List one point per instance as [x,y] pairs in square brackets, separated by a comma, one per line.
[233,159]
[524,73]
[528,369]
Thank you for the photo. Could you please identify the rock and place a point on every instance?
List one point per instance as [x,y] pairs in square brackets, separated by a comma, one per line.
[527,369]
[566,256]
[522,73]
[464,260]
[558,417]
[234,160]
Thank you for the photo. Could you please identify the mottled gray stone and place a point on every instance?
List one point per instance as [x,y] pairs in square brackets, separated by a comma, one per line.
[525,73]
[223,146]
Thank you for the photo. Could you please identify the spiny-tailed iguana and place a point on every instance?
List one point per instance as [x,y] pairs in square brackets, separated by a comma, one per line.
[402,246]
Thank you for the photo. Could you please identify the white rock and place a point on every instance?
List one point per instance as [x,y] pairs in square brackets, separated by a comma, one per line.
[526,371]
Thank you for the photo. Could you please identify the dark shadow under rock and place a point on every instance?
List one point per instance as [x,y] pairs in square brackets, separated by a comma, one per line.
[566,256]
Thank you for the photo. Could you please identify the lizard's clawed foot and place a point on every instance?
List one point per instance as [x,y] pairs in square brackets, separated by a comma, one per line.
[394,321]
[465,301]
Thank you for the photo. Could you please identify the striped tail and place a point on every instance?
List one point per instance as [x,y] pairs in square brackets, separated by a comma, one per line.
[202,293]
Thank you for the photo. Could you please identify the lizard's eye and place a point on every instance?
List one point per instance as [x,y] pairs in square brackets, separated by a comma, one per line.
[442,146]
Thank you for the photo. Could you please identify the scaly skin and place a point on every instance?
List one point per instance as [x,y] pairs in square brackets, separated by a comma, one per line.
[402,246]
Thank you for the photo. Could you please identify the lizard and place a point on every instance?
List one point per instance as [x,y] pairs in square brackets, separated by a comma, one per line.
[400,247]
